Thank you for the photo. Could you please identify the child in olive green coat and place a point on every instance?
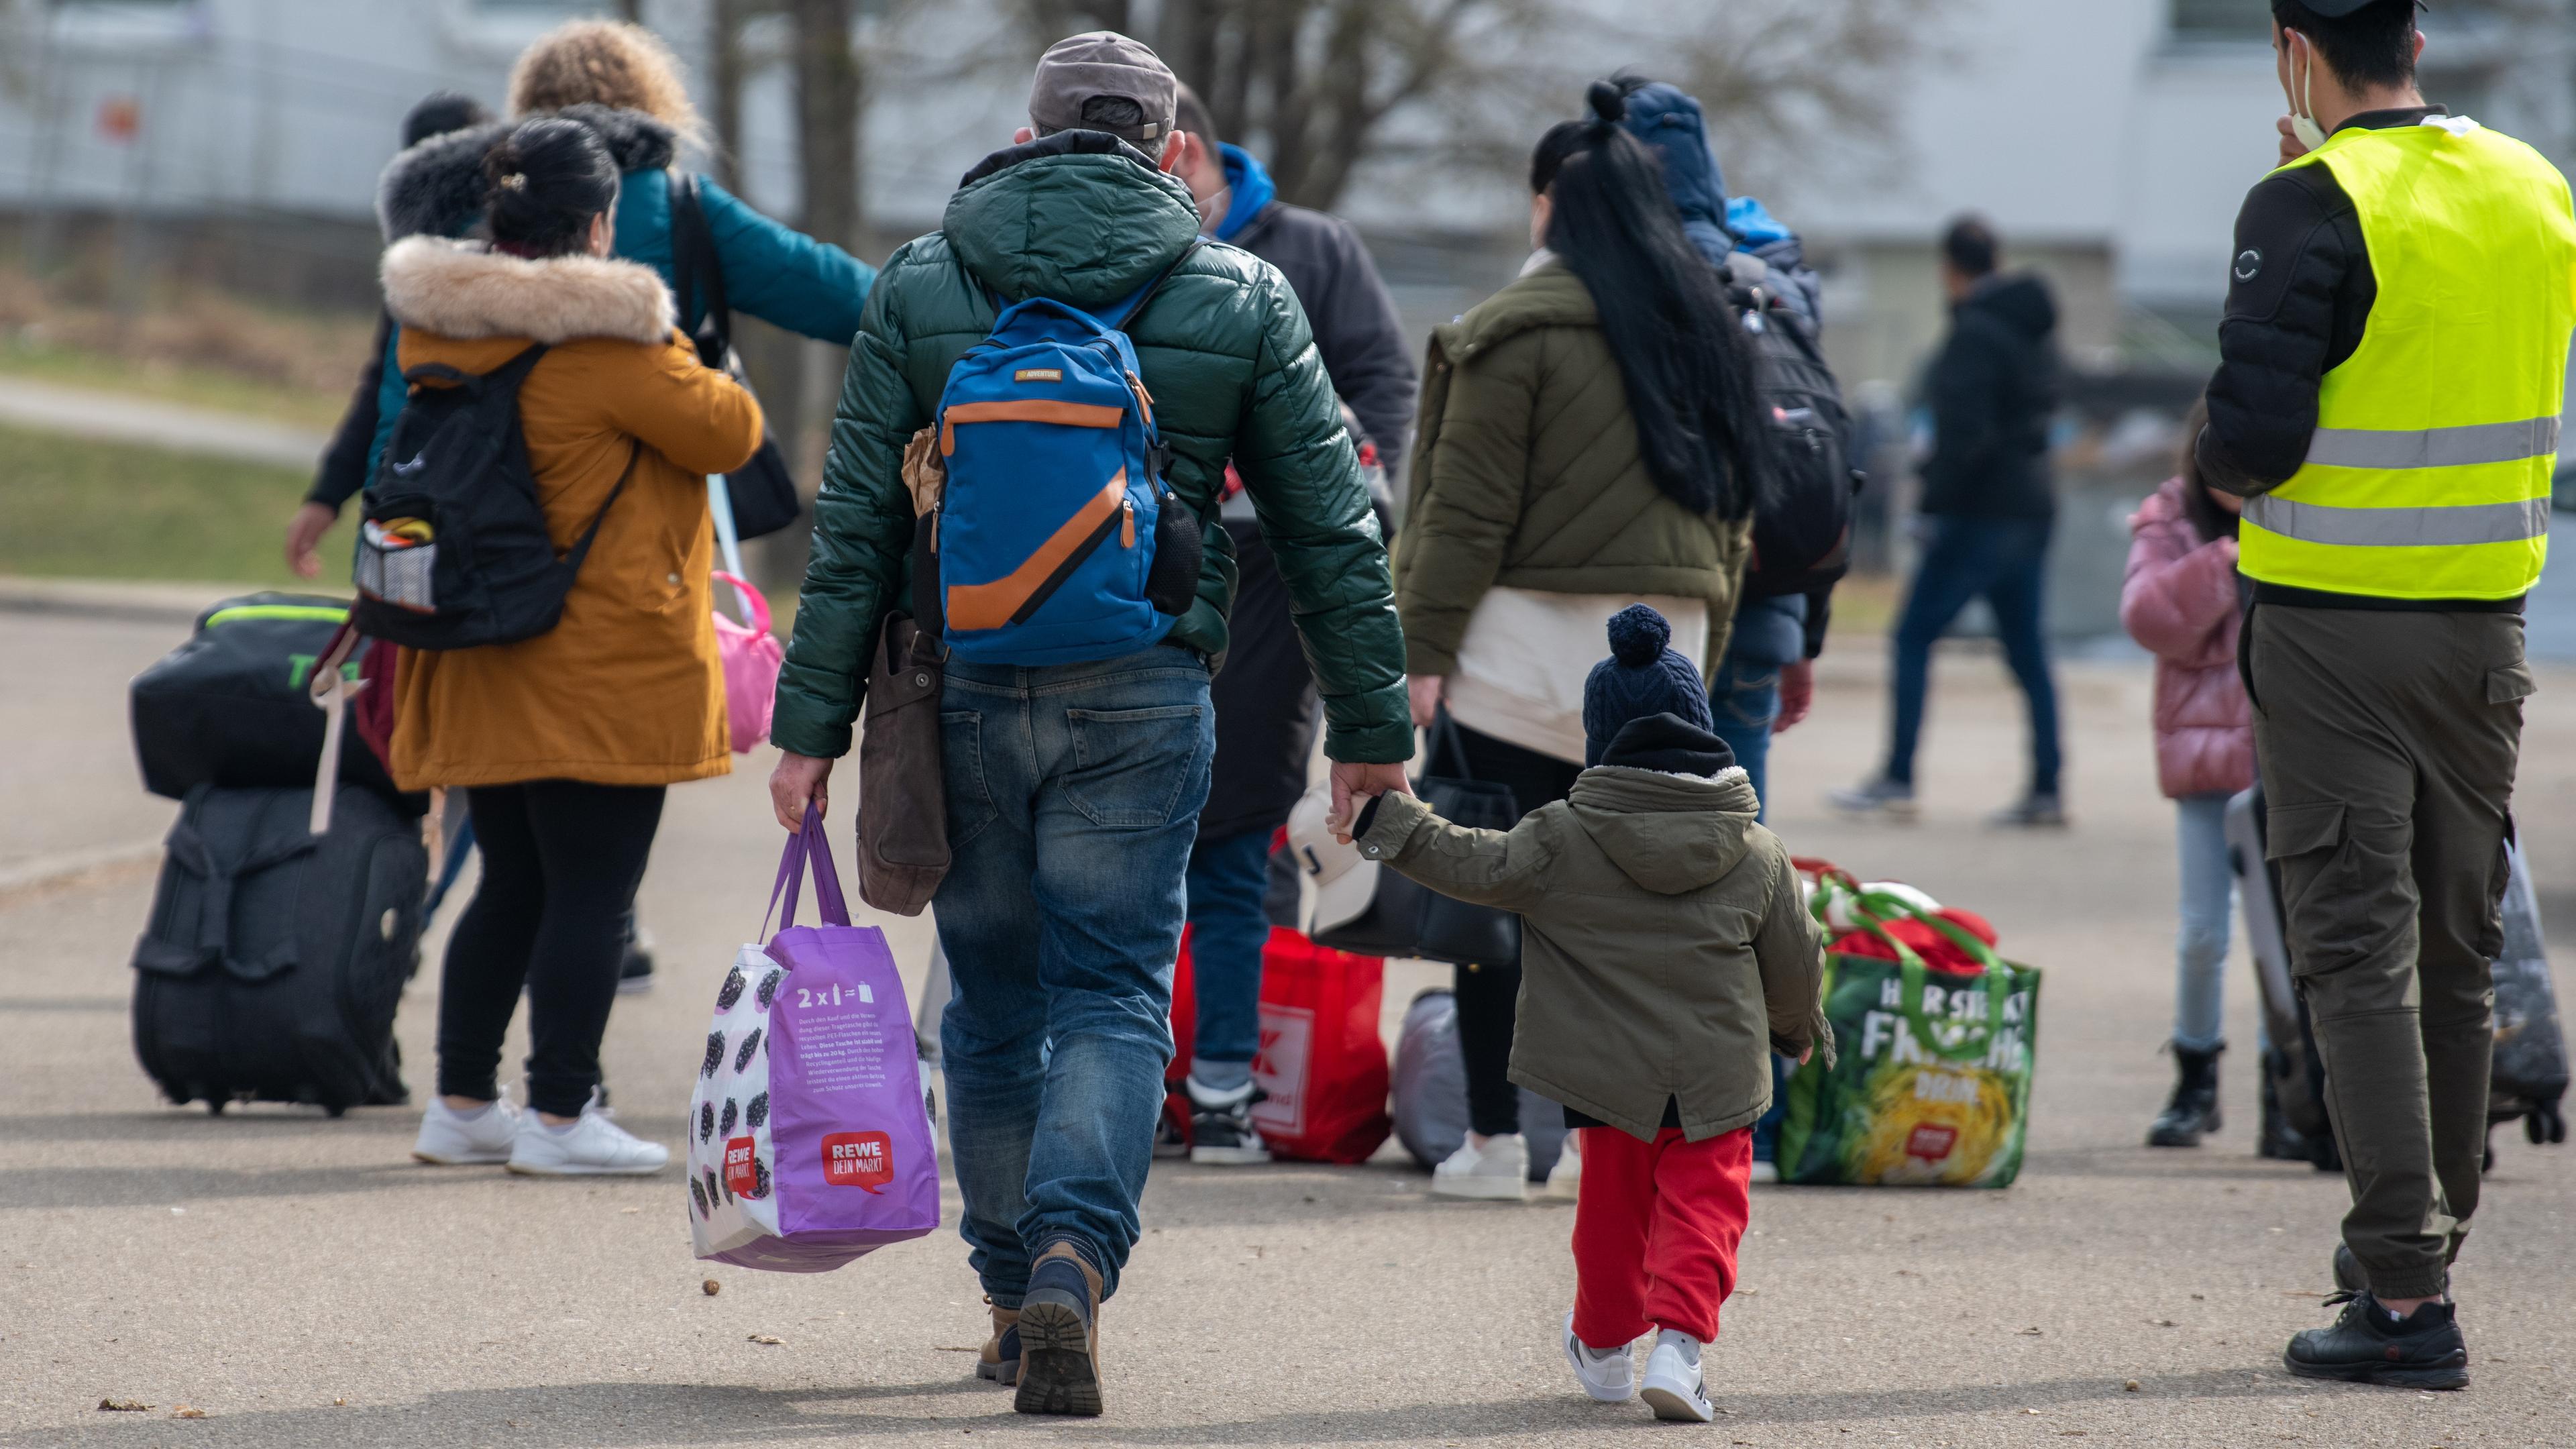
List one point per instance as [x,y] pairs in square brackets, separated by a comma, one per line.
[1666,951]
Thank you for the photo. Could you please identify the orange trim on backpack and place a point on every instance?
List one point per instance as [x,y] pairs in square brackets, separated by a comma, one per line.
[990,606]
[1025,410]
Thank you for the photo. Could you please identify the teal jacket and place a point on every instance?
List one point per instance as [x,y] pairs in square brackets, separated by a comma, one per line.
[772,272]
[1224,350]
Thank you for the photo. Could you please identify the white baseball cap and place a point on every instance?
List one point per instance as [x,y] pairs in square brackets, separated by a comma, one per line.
[1343,881]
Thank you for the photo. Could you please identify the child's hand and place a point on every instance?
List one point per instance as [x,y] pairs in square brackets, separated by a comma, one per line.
[1802,1056]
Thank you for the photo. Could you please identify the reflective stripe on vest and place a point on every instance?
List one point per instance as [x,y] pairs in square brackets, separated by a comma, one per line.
[2429,472]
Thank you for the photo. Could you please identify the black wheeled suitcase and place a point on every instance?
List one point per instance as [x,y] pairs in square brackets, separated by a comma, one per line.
[274,958]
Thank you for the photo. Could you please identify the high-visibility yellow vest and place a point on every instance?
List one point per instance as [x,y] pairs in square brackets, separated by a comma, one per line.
[2428,477]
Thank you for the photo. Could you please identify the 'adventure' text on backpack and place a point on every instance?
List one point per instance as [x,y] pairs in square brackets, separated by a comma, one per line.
[1802,532]
[453,551]
[1055,540]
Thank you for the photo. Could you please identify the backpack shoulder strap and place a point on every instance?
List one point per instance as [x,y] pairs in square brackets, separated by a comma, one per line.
[508,375]
[697,272]
[1136,308]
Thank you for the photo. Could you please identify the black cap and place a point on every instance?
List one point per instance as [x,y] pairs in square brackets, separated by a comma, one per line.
[2338,9]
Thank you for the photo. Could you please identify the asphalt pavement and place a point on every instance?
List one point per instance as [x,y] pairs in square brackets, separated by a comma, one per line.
[301,1282]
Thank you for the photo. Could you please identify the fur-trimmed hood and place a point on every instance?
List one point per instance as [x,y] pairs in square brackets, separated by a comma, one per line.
[436,188]
[465,290]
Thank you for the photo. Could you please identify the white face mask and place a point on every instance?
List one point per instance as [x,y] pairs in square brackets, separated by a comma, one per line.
[2303,122]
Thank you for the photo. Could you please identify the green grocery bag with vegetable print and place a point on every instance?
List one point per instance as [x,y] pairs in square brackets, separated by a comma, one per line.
[1933,1083]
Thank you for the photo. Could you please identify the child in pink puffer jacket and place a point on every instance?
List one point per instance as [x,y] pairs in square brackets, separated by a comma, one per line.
[2181,600]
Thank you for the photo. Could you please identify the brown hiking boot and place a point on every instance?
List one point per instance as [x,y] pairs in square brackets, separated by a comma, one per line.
[1000,1360]
[1059,1331]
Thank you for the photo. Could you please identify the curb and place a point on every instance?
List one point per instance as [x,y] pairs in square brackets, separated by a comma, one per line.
[130,601]
[114,862]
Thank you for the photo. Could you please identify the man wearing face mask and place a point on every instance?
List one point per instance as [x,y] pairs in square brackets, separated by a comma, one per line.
[2394,364]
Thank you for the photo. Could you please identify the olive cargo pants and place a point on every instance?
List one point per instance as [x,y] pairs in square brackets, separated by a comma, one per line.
[2387,743]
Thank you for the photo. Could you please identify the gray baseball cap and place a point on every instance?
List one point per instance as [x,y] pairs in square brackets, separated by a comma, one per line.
[1103,63]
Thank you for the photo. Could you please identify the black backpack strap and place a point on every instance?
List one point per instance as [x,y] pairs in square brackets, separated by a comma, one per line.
[581,550]
[508,375]
[698,272]
[1145,298]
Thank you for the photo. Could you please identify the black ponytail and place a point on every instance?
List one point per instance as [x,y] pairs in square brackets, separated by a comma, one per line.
[548,179]
[1682,352]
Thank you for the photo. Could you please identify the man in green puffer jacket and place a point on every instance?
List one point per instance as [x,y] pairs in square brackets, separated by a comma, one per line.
[1073,791]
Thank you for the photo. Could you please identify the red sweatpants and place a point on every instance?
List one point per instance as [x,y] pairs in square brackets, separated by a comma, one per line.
[1655,1231]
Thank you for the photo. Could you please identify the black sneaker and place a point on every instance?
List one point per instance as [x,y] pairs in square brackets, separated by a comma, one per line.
[2192,1112]
[1059,1335]
[2424,1351]
[1221,1130]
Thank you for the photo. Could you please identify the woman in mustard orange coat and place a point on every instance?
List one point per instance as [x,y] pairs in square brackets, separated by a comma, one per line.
[565,742]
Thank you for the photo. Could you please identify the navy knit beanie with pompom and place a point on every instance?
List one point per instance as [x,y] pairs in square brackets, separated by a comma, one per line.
[1642,677]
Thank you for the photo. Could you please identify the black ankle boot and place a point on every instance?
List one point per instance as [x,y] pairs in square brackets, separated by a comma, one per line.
[2193,1111]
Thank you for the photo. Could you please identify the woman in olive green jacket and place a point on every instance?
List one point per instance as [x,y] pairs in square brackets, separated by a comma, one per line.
[1589,435]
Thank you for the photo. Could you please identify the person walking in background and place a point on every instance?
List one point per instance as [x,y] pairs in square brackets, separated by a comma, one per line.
[1667,953]
[565,742]
[1074,789]
[625,83]
[1265,697]
[343,469]
[1591,438]
[1988,512]
[2393,364]
[2180,602]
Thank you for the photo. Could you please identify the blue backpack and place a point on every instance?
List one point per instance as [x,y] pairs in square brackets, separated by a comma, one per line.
[1056,540]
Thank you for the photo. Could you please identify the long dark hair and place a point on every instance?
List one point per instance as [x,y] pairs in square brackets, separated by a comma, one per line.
[548,178]
[1681,350]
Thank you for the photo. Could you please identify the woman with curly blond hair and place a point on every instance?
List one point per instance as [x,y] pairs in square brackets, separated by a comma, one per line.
[625,84]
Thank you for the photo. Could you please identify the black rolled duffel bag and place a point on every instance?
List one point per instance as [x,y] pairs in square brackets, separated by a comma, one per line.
[229,707]
[274,958]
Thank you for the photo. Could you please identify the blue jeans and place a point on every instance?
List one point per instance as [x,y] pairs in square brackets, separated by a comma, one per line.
[2208,897]
[1073,796]
[1744,699]
[2006,560]
[1226,881]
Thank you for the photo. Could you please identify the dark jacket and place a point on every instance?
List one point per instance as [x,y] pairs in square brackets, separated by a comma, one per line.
[1223,348]
[1666,948]
[1993,388]
[343,469]
[773,272]
[1528,475]
[1265,699]
[1347,304]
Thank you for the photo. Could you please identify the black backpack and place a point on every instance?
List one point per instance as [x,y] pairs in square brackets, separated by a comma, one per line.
[453,551]
[762,491]
[1802,532]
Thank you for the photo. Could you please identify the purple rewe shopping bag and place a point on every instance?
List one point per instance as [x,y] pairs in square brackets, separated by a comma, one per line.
[809,1136]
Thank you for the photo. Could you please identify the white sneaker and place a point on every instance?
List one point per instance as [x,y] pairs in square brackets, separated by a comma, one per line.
[455,1139]
[1607,1374]
[1763,1172]
[1495,1172]
[592,1146]
[1673,1388]
[1565,1179]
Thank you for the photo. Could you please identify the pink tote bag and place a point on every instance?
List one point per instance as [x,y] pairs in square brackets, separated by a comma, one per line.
[751,657]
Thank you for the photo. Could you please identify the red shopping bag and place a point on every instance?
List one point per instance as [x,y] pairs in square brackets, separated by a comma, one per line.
[1321,1062]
